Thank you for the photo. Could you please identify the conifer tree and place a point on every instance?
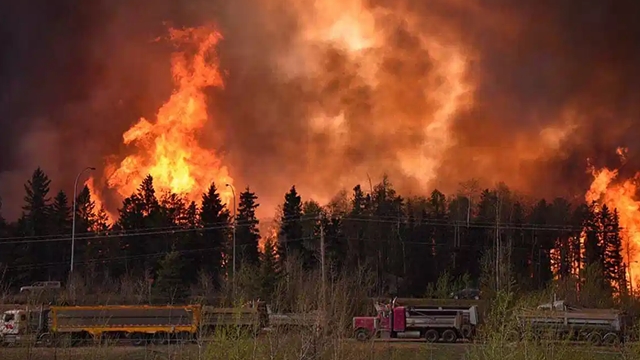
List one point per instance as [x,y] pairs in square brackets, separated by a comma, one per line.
[268,270]
[247,233]
[355,230]
[141,211]
[85,211]
[614,272]
[61,214]
[35,221]
[290,234]
[214,218]
[170,286]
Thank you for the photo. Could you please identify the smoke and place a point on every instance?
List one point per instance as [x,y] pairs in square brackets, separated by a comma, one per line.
[324,94]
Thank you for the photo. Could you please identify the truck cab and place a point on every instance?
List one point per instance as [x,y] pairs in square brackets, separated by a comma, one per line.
[432,323]
[13,324]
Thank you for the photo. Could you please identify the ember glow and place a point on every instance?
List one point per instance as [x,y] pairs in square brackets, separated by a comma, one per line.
[607,189]
[168,148]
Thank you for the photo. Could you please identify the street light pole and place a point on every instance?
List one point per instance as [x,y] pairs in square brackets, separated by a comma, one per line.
[73,225]
[233,191]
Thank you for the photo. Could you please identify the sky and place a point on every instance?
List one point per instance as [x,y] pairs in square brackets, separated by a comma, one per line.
[326,94]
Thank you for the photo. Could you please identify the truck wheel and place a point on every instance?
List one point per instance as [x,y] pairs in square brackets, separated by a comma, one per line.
[431,336]
[362,335]
[449,336]
[594,339]
[611,339]
[138,339]
[47,340]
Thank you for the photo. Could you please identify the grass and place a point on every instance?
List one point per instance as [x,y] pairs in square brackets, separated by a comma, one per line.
[301,292]
[294,347]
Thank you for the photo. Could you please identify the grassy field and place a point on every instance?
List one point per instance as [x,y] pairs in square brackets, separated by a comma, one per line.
[294,348]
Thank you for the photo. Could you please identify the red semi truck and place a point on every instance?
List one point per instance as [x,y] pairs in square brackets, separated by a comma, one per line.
[432,323]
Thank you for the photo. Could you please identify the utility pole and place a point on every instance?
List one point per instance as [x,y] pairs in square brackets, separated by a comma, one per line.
[498,206]
[323,285]
[322,256]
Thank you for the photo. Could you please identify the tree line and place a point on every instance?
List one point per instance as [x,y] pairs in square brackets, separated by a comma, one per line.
[489,238]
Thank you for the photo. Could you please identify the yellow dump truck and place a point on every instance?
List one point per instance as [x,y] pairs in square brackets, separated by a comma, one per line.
[138,324]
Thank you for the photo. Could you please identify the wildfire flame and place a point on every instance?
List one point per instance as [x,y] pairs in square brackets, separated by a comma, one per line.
[96,196]
[168,148]
[621,196]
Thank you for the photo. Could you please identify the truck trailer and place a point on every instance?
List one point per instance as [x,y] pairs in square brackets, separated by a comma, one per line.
[432,323]
[559,320]
[140,324]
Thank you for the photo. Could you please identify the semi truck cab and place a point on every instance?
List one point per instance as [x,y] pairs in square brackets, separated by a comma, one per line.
[12,326]
[432,323]
[12,322]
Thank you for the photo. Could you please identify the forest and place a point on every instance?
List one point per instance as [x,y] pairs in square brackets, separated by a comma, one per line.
[489,238]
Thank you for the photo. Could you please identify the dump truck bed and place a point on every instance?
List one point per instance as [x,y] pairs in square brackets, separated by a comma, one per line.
[124,318]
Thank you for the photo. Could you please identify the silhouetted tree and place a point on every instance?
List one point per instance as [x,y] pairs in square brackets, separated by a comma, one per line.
[214,218]
[85,211]
[268,269]
[614,267]
[141,213]
[247,233]
[37,260]
[170,286]
[290,236]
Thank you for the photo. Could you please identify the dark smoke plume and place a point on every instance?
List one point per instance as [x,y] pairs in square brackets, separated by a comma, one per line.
[548,84]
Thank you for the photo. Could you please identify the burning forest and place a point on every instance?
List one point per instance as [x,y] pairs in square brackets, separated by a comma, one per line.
[195,113]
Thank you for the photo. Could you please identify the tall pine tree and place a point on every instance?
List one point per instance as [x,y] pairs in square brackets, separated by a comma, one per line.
[35,222]
[214,218]
[140,213]
[269,270]
[61,225]
[247,233]
[614,267]
[290,236]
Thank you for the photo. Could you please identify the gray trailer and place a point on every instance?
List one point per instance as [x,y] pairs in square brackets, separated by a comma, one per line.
[562,321]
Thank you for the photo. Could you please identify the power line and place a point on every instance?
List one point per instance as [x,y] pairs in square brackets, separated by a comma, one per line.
[115,234]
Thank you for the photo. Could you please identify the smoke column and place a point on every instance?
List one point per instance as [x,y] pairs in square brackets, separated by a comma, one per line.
[320,94]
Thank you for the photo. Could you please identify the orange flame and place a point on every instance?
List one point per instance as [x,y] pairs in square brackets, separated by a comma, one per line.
[621,196]
[168,148]
[96,197]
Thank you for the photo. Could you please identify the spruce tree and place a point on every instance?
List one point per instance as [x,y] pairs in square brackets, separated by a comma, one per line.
[85,211]
[60,217]
[268,270]
[37,204]
[614,272]
[290,234]
[61,214]
[170,285]
[214,218]
[139,213]
[355,228]
[335,245]
[190,242]
[247,233]
[592,242]
[35,221]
